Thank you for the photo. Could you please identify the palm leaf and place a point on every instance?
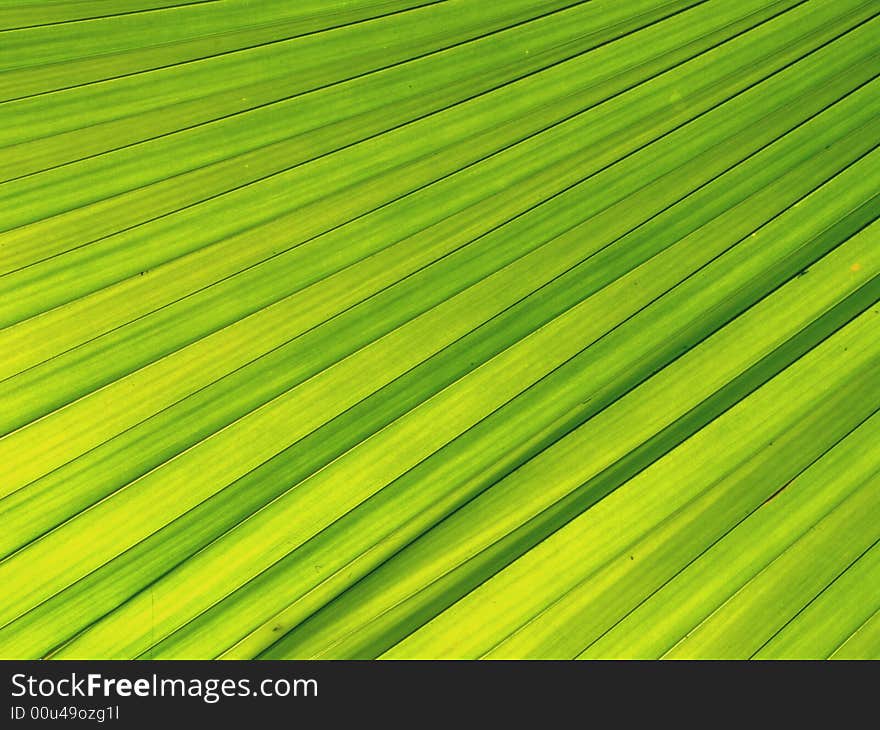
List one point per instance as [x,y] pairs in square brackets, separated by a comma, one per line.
[398,328]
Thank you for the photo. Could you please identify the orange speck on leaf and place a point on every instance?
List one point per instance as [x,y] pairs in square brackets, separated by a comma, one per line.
[855,267]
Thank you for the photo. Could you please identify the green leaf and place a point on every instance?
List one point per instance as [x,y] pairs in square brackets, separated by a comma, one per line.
[410,329]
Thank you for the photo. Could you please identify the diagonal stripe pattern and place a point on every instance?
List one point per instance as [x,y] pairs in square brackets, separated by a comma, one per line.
[439,329]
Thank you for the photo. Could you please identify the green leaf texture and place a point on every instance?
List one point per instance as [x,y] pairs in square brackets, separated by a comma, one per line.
[439,329]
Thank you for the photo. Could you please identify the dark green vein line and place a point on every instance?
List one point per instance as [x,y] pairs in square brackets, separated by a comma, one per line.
[816,597]
[111,15]
[833,321]
[294,37]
